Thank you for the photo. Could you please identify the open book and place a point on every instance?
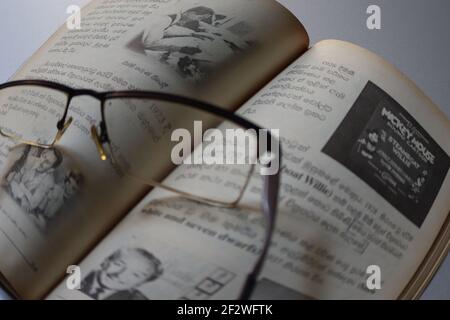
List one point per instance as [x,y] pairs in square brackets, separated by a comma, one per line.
[364,177]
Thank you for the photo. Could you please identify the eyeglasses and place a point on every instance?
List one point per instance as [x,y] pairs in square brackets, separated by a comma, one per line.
[143,130]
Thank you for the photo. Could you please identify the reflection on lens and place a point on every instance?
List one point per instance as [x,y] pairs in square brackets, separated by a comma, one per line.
[31,113]
[212,154]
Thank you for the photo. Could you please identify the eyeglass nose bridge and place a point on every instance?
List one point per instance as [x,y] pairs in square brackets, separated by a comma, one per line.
[99,139]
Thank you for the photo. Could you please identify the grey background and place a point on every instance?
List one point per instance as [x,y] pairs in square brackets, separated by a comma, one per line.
[414,37]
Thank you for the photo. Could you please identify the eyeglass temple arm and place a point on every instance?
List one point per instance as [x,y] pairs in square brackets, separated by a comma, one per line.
[269,208]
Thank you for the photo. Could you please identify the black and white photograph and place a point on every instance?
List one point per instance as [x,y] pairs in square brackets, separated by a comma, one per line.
[121,274]
[193,40]
[149,269]
[384,145]
[40,184]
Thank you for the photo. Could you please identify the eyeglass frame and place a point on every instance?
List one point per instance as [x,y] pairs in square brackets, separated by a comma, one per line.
[271,182]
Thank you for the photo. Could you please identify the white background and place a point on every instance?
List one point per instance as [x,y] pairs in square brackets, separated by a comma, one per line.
[414,37]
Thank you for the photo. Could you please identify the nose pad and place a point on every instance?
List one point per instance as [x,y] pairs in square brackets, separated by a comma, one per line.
[95,136]
[64,128]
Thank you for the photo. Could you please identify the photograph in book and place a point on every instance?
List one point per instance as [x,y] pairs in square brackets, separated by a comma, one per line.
[153,271]
[383,144]
[193,40]
[120,274]
[40,183]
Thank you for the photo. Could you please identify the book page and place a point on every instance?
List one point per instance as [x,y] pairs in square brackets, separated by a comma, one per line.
[364,183]
[57,203]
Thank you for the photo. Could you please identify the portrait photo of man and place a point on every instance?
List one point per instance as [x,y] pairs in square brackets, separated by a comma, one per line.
[121,274]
